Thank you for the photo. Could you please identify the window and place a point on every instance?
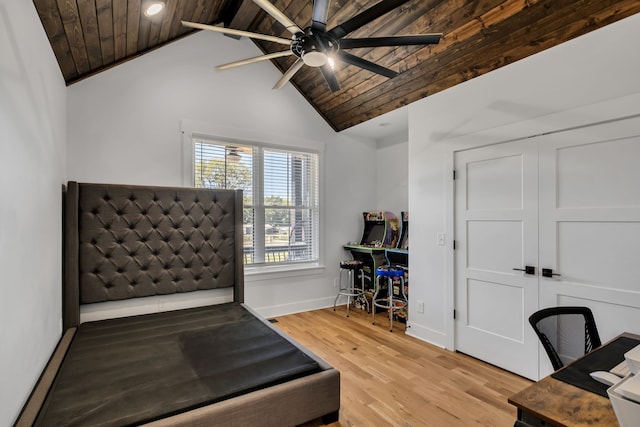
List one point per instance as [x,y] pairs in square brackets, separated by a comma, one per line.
[281,212]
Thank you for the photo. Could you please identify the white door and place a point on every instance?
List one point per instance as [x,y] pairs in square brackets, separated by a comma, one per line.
[496,233]
[585,186]
[590,224]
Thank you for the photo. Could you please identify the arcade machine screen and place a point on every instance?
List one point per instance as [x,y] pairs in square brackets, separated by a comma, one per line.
[374,233]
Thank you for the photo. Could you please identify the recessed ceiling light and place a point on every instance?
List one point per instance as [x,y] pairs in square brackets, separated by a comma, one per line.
[152,8]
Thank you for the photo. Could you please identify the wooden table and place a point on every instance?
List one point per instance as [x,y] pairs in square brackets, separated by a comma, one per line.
[557,403]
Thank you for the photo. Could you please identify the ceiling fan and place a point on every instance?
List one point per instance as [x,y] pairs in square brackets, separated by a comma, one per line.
[317,47]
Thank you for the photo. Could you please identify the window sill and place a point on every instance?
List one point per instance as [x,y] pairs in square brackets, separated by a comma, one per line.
[253,274]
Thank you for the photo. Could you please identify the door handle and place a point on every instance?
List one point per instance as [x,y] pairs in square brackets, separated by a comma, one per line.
[528,269]
[547,272]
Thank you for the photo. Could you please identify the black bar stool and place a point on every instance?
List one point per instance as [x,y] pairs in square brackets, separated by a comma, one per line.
[354,269]
[389,302]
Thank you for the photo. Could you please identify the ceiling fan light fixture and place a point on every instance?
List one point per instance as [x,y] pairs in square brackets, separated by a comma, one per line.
[314,58]
[152,8]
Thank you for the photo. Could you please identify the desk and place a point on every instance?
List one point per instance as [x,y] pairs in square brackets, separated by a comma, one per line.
[557,403]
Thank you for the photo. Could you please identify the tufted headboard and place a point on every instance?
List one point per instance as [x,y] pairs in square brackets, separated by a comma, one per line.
[124,241]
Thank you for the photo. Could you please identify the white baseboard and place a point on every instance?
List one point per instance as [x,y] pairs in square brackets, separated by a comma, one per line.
[428,335]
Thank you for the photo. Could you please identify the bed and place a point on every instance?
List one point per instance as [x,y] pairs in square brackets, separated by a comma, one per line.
[216,365]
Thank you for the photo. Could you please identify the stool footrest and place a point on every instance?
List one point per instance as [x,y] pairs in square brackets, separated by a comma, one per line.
[351,292]
[396,304]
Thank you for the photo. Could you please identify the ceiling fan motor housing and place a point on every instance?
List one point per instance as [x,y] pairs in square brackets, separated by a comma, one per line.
[313,48]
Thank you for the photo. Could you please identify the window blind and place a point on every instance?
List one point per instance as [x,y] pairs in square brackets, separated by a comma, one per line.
[281,197]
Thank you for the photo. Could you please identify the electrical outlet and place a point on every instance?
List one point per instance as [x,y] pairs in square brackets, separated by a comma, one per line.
[420,306]
[335,282]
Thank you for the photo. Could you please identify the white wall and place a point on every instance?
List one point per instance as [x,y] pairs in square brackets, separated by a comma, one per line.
[124,127]
[586,80]
[32,171]
[392,174]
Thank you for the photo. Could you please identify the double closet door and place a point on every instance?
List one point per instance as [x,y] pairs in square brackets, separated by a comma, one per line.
[545,221]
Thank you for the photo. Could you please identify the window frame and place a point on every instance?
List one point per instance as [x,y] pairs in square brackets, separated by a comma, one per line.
[242,137]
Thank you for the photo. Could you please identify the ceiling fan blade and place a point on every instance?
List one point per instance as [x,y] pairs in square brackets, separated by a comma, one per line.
[289,74]
[365,17]
[320,12]
[254,59]
[391,41]
[237,32]
[330,77]
[268,7]
[367,65]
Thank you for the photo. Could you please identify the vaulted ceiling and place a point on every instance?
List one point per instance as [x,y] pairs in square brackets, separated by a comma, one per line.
[89,36]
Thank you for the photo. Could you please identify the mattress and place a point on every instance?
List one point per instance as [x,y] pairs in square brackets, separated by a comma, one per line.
[138,369]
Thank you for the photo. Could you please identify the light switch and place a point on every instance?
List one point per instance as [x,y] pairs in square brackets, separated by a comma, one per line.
[440,237]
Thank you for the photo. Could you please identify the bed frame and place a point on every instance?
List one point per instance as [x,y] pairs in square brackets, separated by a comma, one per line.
[124,242]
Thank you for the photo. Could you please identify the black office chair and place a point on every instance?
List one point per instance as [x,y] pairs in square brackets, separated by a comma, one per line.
[570,331]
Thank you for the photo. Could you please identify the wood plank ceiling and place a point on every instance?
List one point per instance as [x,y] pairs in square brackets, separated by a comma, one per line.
[89,36]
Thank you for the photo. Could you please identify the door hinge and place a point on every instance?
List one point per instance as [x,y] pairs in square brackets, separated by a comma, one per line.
[454,313]
[454,174]
[454,245]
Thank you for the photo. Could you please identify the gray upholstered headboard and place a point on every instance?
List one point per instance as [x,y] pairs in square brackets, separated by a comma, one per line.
[124,241]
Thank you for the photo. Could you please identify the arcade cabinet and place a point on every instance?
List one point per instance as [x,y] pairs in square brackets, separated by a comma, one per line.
[403,243]
[381,231]
[399,257]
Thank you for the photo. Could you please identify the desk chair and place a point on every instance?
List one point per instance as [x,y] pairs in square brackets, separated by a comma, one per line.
[565,332]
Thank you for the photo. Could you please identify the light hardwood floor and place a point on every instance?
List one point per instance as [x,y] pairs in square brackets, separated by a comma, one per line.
[392,379]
